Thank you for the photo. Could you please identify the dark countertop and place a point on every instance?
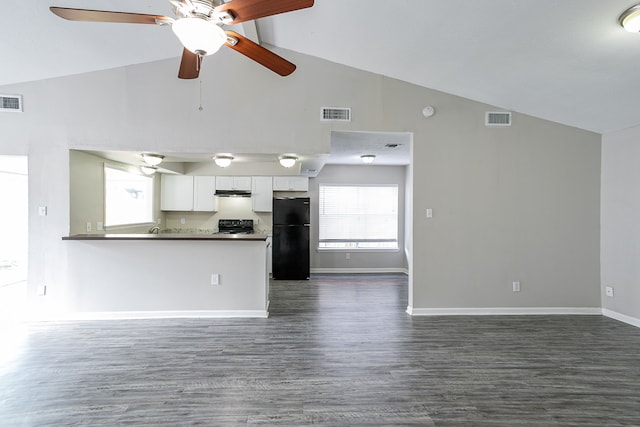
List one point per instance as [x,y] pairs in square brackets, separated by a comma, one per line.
[169,236]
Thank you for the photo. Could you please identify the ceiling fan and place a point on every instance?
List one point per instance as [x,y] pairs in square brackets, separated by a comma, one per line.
[198,25]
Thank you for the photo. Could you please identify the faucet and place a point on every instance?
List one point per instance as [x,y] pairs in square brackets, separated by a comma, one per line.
[154,230]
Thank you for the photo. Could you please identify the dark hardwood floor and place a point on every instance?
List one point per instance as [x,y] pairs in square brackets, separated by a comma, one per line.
[336,351]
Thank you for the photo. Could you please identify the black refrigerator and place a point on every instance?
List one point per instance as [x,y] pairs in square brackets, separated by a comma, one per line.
[290,251]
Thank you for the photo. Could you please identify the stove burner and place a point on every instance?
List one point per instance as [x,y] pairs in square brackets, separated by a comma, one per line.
[235,226]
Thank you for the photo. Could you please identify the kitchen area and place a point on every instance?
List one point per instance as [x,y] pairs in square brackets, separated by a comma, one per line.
[208,250]
[210,245]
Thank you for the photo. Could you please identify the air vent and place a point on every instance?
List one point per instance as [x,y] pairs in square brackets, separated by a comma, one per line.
[11,103]
[497,119]
[335,114]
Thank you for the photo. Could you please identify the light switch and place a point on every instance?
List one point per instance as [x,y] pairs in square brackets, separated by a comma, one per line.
[429,213]
[42,211]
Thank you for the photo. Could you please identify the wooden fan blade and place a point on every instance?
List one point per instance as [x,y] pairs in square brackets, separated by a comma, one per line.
[245,10]
[259,54]
[107,16]
[189,65]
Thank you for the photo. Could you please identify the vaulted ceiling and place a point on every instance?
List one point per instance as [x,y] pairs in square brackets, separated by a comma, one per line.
[566,61]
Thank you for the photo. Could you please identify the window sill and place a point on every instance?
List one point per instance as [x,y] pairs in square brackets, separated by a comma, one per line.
[361,250]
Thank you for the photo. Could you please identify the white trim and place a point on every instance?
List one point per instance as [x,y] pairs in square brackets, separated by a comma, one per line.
[359,270]
[503,311]
[633,321]
[131,315]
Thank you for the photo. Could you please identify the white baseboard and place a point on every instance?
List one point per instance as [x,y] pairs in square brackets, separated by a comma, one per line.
[503,311]
[358,270]
[133,315]
[633,321]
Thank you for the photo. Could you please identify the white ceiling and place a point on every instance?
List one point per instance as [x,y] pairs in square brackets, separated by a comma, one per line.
[567,61]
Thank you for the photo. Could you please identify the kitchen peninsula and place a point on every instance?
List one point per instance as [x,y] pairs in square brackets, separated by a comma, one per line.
[120,276]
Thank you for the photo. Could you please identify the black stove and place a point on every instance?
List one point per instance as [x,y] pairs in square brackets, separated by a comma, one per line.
[235,226]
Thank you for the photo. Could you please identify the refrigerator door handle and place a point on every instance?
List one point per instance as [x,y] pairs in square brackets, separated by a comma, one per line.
[307,225]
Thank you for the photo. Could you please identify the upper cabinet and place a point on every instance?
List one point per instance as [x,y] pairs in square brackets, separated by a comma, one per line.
[203,189]
[262,194]
[176,193]
[187,193]
[233,183]
[290,183]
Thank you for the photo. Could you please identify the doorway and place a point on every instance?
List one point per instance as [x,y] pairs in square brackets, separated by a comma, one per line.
[14,231]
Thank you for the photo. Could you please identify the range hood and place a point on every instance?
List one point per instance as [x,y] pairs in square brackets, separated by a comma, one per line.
[233,193]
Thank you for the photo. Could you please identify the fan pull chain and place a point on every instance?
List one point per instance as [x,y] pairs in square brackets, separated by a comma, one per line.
[200,107]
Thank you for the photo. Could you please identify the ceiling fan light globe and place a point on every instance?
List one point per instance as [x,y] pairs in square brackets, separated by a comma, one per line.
[198,35]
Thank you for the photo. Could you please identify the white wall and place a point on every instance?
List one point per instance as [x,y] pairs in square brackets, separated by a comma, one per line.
[509,204]
[116,277]
[518,203]
[86,194]
[620,246]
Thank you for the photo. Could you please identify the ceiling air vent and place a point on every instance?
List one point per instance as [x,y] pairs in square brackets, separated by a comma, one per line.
[335,114]
[11,103]
[497,118]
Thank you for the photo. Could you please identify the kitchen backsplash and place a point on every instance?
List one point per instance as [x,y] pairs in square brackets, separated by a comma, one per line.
[207,222]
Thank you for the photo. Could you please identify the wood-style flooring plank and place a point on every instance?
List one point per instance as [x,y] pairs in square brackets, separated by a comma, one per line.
[336,351]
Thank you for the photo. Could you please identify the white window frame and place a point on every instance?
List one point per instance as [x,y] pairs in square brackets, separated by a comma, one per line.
[358,244]
[134,222]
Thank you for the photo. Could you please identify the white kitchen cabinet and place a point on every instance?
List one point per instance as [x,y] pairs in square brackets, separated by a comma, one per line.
[262,193]
[203,189]
[233,183]
[176,193]
[290,183]
[269,256]
[187,193]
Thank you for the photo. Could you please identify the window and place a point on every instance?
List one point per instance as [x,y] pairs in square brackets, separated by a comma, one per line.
[358,217]
[128,197]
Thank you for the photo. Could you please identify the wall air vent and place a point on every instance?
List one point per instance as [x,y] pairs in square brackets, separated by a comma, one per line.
[335,114]
[497,118]
[12,103]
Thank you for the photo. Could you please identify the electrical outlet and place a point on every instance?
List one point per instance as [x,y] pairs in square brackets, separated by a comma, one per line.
[99,226]
[183,220]
[609,291]
[347,255]
[215,279]
[429,213]
[42,290]
[42,211]
[88,227]
[516,286]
